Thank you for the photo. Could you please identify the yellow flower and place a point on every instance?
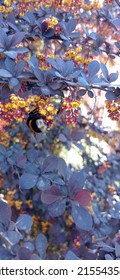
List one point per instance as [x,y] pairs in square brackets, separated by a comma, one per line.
[21,103]
[54,20]
[2,9]
[78,49]
[70,54]
[7,3]
[14,106]
[78,58]
[43,112]
[50,118]
[67,2]
[50,108]
[76,104]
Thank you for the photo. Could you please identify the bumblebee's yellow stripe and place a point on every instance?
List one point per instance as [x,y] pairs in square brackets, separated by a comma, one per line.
[30,126]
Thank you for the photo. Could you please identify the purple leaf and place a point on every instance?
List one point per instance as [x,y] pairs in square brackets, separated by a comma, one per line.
[5,213]
[41,245]
[76,181]
[5,74]
[21,160]
[50,164]
[19,67]
[77,135]
[28,180]
[52,62]
[113,77]
[23,254]
[43,183]
[13,82]
[57,208]
[81,92]
[81,217]
[39,75]
[117,249]
[2,150]
[24,222]
[62,138]
[62,168]
[71,26]
[82,82]
[3,38]
[90,93]
[93,68]
[83,197]
[104,70]
[33,61]
[17,38]
[71,256]
[110,95]
[29,245]
[11,54]
[10,65]
[51,195]
[68,68]
[13,236]
[5,254]
[108,257]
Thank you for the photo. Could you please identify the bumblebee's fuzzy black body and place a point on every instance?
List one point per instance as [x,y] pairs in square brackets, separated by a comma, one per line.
[34,117]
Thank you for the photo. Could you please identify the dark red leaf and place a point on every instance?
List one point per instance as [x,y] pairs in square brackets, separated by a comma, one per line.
[83,197]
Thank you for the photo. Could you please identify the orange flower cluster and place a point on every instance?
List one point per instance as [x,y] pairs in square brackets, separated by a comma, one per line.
[69,221]
[26,5]
[111,189]
[51,21]
[113,108]
[44,226]
[18,108]
[43,64]
[36,224]
[70,110]
[76,242]
[77,57]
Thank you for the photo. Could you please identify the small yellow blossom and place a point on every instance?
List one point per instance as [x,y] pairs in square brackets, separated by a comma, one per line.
[2,9]
[78,58]
[7,3]
[76,104]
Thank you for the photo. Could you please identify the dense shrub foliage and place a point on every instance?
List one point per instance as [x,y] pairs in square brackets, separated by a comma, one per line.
[62,58]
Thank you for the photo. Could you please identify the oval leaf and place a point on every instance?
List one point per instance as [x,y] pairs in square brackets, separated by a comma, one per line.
[28,181]
[71,256]
[93,68]
[83,197]
[81,217]
[57,208]
[5,213]
[41,245]
[24,222]
[110,95]
[23,254]
[51,195]
[13,236]
[5,74]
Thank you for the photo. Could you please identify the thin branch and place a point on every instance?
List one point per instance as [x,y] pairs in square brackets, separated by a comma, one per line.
[117,2]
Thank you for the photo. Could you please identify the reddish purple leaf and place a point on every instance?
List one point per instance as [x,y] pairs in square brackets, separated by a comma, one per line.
[83,197]
[51,195]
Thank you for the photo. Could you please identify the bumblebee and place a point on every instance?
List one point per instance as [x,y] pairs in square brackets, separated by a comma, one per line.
[36,121]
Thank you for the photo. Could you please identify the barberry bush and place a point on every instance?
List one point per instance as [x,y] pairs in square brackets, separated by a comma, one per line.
[61,57]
